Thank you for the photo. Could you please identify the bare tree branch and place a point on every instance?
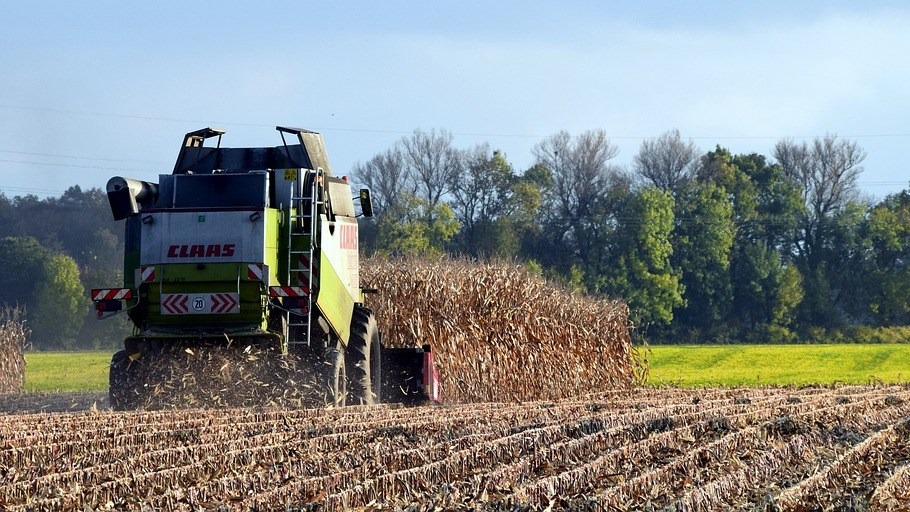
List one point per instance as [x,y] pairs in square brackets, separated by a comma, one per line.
[827,171]
[387,178]
[666,162]
[583,182]
[433,163]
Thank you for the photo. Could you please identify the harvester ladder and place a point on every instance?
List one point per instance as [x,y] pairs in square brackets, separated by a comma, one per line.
[305,201]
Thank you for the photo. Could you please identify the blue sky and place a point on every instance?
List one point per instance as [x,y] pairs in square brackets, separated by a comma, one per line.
[89,90]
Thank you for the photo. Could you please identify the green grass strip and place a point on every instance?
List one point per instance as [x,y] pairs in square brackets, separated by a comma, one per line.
[758,365]
[66,371]
[675,365]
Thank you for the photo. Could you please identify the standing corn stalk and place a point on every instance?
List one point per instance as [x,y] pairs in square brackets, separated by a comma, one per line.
[500,333]
[12,345]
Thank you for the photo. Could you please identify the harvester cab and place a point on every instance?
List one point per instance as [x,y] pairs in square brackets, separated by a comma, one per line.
[252,248]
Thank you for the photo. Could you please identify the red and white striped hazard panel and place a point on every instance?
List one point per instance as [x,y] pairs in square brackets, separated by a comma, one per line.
[112,294]
[288,291]
[254,271]
[200,303]
[146,274]
[304,267]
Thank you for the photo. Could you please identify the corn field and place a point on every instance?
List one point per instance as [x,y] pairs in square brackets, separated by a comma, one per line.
[815,448]
[501,333]
[12,344]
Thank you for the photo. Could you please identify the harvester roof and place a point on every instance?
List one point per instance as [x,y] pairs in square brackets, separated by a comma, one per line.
[196,158]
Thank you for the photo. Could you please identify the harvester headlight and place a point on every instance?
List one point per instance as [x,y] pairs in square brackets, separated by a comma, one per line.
[255,216]
[148,219]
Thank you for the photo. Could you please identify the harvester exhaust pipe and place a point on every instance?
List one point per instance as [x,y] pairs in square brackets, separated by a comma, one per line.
[126,195]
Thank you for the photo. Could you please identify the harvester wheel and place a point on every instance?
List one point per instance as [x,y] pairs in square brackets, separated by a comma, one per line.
[362,344]
[335,379]
[122,383]
[278,323]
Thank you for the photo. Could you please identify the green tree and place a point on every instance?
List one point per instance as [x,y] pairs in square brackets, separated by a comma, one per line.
[86,230]
[79,223]
[766,210]
[641,272]
[7,216]
[48,285]
[526,217]
[879,278]
[60,303]
[841,254]
[766,293]
[702,252]
[417,228]
[21,268]
[789,295]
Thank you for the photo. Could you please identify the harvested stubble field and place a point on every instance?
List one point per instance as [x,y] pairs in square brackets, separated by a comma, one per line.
[648,449]
[504,341]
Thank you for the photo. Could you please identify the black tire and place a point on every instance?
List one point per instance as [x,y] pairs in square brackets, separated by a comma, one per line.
[363,345]
[334,377]
[278,323]
[122,383]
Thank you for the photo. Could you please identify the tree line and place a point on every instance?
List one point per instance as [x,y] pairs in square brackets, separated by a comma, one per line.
[704,246]
[710,246]
[53,251]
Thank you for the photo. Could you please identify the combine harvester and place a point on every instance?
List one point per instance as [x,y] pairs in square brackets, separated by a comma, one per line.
[249,256]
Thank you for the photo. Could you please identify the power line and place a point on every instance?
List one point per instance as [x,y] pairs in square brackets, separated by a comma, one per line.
[463,134]
[882,183]
[109,114]
[78,166]
[35,191]
[72,157]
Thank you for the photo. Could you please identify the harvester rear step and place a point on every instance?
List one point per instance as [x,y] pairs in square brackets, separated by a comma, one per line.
[408,376]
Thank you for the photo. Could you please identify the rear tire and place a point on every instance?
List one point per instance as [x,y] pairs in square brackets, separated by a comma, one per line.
[278,323]
[334,376]
[122,382]
[363,345]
